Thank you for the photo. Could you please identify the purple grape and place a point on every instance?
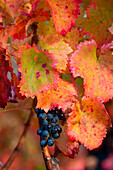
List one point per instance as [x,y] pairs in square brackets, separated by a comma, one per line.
[37,111]
[50,137]
[49,116]
[39,131]
[43,143]
[42,116]
[42,111]
[56,117]
[54,120]
[45,134]
[49,126]
[59,129]
[44,122]
[50,142]
[61,116]
[56,135]
[53,130]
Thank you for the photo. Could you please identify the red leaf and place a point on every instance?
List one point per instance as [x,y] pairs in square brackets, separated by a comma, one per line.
[22,22]
[19,32]
[5,84]
[68,148]
[64,14]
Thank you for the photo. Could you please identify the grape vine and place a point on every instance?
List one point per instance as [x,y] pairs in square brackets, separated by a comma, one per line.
[50,128]
[57,54]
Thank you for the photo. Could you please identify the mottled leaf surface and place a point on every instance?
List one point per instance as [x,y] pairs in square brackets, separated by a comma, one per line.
[46,28]
[97,74]
[62,97]
[37,69]
[63,13]
[58,48]
[87,123]
[23,21]
[99,17]
[11,6]
[73,37]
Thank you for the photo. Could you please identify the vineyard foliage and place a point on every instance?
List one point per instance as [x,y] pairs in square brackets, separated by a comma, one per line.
[70,66]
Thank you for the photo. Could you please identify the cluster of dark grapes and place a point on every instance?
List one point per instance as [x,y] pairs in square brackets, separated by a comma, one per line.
[49,127]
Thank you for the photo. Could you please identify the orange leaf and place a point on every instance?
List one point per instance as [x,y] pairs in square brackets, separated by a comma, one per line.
[56,46]
[12,6]
[88,124]
[22,22]
[4,33]
[64,14]
[62,97]
[97,72]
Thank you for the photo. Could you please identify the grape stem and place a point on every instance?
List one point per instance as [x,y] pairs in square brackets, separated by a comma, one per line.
[48,158]
[21,140]
[50,162]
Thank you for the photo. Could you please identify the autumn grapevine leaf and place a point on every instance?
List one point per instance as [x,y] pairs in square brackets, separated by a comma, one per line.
[63,96]
[63,13]
[88,125]
[84,63]
[5,83]
[56,46]
[97,74]
[46,67]
[23,21]
[11,6]
[37,69]
[98,18]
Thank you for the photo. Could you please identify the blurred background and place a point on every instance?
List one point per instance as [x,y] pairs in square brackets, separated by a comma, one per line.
[12,120]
